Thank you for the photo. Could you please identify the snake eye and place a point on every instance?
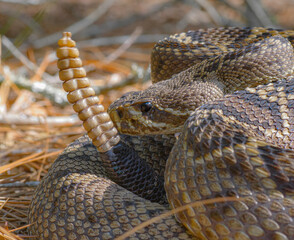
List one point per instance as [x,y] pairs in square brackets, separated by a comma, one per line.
[146,106]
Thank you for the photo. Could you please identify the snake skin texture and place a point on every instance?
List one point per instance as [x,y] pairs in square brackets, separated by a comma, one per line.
[234,142]
[241,148]
[181,51]
[77,201]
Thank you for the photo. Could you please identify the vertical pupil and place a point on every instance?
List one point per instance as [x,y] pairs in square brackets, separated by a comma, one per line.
[120,113]
[145,107]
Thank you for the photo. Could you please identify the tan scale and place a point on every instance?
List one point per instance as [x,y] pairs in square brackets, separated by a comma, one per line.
[246,141]
[75,198]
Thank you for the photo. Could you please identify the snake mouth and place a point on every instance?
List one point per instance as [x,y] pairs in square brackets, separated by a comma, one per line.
[124,124]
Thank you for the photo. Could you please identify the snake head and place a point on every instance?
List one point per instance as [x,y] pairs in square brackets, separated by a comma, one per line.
[162,108]
[140,113]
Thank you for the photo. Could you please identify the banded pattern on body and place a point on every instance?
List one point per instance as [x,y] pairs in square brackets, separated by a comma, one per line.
[170,102]
[77,199]
[181,51]
[239,145]
[230,145]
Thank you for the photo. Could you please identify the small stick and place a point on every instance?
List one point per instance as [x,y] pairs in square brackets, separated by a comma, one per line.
[10,46]
[11,118]
[124,46]
[19,184]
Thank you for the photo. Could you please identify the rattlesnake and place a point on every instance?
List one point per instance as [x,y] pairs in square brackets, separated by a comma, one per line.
[238,145]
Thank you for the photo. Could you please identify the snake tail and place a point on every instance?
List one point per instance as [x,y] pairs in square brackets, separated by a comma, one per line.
[122,163]
[95,120]
[237,145]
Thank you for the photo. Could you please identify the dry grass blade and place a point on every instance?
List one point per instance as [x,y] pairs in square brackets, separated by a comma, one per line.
[174,211]
[40,71]
[124,46]
[31,158]
[8,44]
[13,118]
[3,204]
[7,235]
[212,12]
[25,144]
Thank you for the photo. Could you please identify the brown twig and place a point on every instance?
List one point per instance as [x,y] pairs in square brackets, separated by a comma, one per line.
[31,158]
[19,184]
[10,46]
[8,235]
[211,11]
[56,95]
[257,9]
[137,74]
[21,119]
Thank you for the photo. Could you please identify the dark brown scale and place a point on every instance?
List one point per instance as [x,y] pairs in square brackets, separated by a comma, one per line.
[223,151]
[262,169]
[229,38]
[76,196]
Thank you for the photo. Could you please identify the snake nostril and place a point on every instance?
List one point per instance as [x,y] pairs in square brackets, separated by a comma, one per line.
[133,122]
[119,113]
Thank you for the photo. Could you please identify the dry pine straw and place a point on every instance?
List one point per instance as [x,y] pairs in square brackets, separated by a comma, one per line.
[28,150]
[28,153]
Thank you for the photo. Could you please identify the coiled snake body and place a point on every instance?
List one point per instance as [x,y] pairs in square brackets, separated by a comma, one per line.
[238,145]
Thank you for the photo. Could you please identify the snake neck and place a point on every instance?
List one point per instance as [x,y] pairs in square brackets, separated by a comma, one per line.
[125,167]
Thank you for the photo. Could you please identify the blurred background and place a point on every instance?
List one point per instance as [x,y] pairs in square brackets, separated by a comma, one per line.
[115,38]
